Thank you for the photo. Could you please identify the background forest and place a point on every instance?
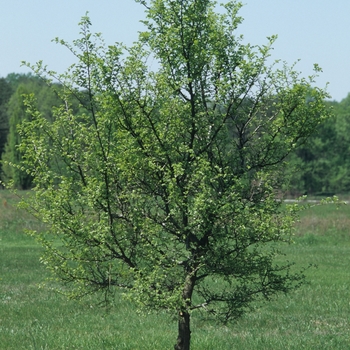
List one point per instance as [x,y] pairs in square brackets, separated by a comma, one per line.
[319,167]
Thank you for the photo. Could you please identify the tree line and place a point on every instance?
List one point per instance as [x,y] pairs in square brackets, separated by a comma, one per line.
[321,166]
[322,163]
[14,89]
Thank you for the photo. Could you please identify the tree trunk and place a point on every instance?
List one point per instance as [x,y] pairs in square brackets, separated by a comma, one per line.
[184,335]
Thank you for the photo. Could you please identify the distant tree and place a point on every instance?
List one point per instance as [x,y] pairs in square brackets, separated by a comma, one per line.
[341,147]
[11,155]
[16,110]
[8,86]
[166,186]
[323,163]
[314,164]
[5,94]
[15,79]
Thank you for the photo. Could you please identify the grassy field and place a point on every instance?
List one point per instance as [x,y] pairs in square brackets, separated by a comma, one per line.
[317,316]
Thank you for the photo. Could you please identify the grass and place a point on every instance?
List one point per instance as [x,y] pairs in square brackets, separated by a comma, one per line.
[317,316]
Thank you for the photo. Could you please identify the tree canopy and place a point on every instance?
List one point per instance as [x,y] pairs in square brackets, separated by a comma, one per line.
[166,184]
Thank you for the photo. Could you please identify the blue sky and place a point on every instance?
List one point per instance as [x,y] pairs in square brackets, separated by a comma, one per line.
[314,31]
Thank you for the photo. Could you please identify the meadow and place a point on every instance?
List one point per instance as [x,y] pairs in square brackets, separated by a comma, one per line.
[317,316]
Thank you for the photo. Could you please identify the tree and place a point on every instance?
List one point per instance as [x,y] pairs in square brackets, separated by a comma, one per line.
[16,110]
[339,151]
[5,94]
[323,161]
[8,87]
[11,155]
[166,186]
[315,162]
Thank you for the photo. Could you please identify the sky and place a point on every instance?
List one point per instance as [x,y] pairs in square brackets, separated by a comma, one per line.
[312,31]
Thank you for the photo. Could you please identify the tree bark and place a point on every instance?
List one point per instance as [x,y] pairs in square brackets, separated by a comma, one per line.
[184,335]
[184,332]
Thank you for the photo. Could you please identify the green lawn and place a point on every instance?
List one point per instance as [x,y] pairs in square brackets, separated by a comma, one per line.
[317,316]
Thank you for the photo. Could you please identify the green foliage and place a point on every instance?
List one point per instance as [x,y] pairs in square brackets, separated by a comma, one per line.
[323,162]
[8,86]
[11,155]
[16,110]
[165,183]
[5,94]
